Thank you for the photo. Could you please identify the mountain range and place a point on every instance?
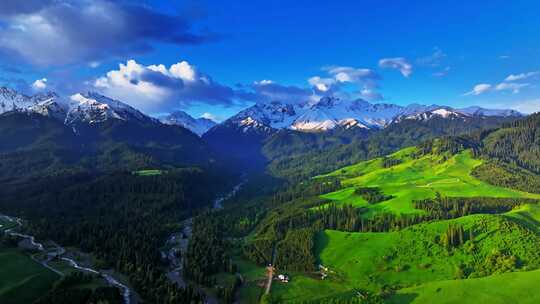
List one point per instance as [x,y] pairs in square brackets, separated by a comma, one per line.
[279,133]
[329,113]
[92,108]
[325,114]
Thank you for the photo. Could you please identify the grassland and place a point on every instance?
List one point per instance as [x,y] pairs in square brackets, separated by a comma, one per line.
[150,172]
[516,287]
[410,257]
[413,261]
[415,179]
[22,280]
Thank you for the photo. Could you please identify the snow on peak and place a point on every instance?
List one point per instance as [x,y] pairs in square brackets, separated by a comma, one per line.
[95,108]
[331,112]
[442,112]
[198,126]
[42,103]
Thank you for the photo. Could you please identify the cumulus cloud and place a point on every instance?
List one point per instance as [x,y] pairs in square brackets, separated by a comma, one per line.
[40,84]
[338,76]
[85,31]
[398,63]
[522,76]
[157,88]
[479,89]
[322,85]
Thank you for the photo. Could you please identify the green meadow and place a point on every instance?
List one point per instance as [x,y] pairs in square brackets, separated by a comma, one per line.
[151,172]
[415,179]
[496,264]
[22,280]
[505,288]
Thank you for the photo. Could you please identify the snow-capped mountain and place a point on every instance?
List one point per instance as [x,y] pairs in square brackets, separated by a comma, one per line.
[11,100]
[330,112]
[442,112]
[198,126]
[89,108]
[54,107]
[92,108]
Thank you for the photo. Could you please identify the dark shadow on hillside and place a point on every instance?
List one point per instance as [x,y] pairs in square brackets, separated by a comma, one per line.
[403,298]
[321,242]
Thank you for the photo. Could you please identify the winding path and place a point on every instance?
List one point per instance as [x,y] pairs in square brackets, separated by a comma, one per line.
[441,182]
[126,292]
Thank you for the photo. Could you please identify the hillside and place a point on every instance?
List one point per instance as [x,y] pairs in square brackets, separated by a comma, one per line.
[33,144]
[408,227]
[298,155]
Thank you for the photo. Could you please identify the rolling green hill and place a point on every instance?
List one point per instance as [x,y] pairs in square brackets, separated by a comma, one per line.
[498,289]
[415,178]
[411,262]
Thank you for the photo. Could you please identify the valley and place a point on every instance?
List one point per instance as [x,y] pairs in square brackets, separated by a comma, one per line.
[268,152]
[390,213]
[28,247]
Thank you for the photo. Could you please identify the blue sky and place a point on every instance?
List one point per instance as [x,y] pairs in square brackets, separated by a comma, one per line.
[457,53]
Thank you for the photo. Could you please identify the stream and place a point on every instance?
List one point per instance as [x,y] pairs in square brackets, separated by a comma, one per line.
[59,252]
[179,242]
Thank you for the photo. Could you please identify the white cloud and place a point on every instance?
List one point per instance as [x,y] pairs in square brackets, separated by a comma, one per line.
[398,63]
[340,76]
[264,82]
[370,95]
[40,84]
[322,85]
[350,74]
[157,88]
[124,84]
[527,106]
[522,76]
[210,116]
[511,86]
[479,89]
[182,70]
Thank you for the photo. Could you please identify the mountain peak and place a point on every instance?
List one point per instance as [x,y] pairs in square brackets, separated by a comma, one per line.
[326,102]
[440,112]
[94,108]
[198,126]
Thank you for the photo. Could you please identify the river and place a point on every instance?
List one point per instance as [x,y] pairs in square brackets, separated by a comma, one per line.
[60,252]
[179,241]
